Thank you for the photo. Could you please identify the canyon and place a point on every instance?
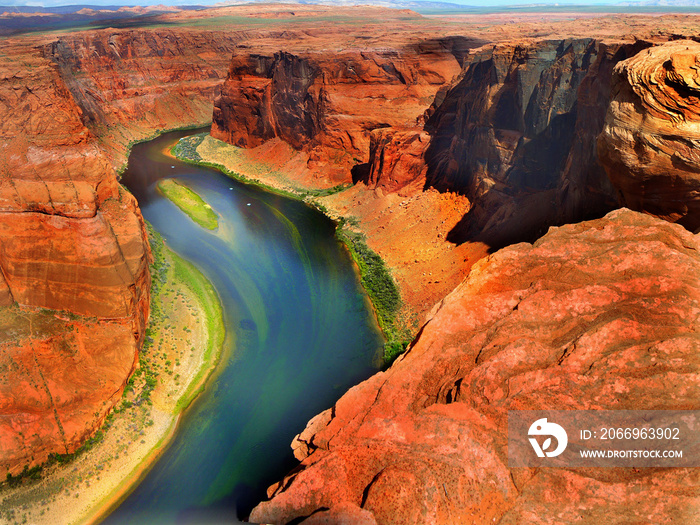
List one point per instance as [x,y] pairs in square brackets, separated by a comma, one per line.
[456,137]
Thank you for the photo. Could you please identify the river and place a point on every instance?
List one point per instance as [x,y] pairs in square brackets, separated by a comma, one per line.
[299,334]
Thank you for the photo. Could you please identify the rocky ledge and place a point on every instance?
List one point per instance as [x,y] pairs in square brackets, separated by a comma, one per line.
[596,315]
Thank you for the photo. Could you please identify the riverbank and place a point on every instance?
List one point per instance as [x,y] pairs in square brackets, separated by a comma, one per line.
[203,150]
[182,348]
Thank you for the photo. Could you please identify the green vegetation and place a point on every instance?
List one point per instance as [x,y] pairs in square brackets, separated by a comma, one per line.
[189,202]
[213,315]
[186,151]
[186,147]
[381,289]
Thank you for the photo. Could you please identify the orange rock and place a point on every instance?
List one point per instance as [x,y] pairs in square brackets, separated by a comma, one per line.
[397,158]
[71,239]
[329,103]
[543,326]
[652,125]
[60,378]
[87,266]
[5,295]
[132,83]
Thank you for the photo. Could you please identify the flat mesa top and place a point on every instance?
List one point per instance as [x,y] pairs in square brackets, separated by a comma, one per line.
[330,28]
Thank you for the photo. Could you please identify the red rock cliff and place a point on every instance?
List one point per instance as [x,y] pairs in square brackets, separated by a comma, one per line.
[328,103]
[649,145]
[132,83]
[71,239]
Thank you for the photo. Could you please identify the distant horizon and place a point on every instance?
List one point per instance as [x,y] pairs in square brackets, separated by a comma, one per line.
[673,4]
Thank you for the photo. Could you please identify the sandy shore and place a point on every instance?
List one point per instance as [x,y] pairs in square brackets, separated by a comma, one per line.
[181,358]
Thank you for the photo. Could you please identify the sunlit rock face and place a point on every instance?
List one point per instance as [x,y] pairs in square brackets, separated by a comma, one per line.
[71,240]
[328,103]
[597,315]
[651,139]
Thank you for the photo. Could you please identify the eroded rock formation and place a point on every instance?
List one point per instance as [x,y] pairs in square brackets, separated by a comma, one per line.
[71,239]
[328,103]
[132,83]
[651,137]
[516,133]
[597,315]
[60,376]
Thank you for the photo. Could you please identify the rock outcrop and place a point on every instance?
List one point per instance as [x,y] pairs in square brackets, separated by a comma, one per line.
[597,315]
[650,142]
[60,377]
[327,104]
[71,239]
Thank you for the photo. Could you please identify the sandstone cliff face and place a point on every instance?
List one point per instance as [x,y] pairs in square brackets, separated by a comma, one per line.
[131,83]
[71,239]
[543,326]
[649,145]
[59,379]
[516,134]
[327,104]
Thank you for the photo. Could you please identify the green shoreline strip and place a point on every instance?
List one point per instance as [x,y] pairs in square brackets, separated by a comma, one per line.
[186,273]
[375,276]
[190,203]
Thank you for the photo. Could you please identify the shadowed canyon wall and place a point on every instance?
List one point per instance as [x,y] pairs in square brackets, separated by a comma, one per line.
[516,133]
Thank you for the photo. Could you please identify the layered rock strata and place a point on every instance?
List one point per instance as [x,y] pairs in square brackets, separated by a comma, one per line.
[516,133]
[328,104]
[71,239]
[650,142]
[132,83]
[597,315]
[60,376]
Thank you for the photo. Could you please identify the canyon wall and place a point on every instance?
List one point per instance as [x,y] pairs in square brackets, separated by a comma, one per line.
[516,133]
[130,84]
[327,104]
[71,240]
[652,132]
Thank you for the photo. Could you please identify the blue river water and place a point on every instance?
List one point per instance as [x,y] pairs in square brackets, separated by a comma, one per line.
[299,333]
